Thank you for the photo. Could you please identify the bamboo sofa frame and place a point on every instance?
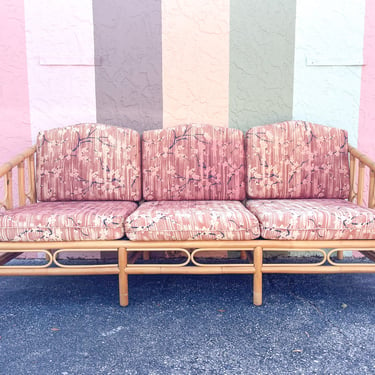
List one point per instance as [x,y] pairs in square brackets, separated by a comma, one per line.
[22,169]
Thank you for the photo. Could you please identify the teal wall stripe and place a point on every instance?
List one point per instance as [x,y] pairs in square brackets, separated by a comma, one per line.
[262,40]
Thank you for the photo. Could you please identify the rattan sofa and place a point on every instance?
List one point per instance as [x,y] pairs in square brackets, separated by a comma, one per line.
[189,191]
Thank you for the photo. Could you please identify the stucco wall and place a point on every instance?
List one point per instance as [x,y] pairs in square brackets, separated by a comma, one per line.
[366,133]
[195,61]
[159,63]
[328,62]
[14,95]
[60,62]
[261,62]
[128,74]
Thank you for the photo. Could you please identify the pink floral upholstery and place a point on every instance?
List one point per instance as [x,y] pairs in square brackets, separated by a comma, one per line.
[66,221]
[313,219]
[88,162]
[193,162]
[297,159]
[191,220]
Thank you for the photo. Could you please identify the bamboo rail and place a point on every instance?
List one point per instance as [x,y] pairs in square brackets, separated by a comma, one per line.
[362,163]
[217,245]
[319,269]
[13,271]
[188,270]
[362,157]
[6,167]
[6,171]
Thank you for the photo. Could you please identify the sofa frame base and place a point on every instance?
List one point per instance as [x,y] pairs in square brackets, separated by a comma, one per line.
[129,251]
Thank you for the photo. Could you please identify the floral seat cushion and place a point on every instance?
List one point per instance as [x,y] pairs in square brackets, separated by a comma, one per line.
[313,219]
[191,220]
[66,221]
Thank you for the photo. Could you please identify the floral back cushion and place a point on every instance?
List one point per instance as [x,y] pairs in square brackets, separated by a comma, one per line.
[297,159]
[88,162]
[193,162]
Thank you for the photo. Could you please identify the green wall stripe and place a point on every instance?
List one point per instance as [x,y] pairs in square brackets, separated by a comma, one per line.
[262,40]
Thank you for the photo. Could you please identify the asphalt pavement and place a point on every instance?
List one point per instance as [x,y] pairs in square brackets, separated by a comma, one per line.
[308,324]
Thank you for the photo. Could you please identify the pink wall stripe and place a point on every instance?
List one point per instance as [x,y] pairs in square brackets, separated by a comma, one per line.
[366,136]
[14,97]
[195,39]
[61,68]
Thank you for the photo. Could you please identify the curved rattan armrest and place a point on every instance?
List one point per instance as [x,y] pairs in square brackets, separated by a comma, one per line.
[19,162]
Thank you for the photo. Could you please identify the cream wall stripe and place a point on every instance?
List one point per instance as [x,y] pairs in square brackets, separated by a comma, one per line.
[195,39]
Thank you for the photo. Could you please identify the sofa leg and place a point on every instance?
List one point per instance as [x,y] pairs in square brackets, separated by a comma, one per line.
[123,276]
[257,283]
[340,254]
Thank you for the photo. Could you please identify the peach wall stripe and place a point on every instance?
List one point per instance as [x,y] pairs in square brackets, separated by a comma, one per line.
[195,39]
[366,136]
[60,57]
[14,96]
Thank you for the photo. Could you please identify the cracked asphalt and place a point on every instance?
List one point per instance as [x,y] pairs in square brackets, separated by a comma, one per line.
[308,324]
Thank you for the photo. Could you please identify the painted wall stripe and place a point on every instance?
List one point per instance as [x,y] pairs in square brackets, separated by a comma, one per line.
[128,73]
[366,136]
[328,62]
[14,95]
[195,61]
[261,62]
[60,57]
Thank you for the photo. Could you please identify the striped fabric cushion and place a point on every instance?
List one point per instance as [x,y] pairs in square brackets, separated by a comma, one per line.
[193,162]
[88,162]
[66,221]
[191,220]
[313,219]
[297,159]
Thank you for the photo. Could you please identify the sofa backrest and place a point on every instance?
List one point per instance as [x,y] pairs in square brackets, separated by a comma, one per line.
[193,162]
[88,162]
[297,159]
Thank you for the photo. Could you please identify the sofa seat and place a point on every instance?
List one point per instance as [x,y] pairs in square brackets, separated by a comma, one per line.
[66,221]
[313,219]
[191,220]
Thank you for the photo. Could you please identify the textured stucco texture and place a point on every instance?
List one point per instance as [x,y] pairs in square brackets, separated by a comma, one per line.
[128,72]
[60,61]
[328,63]
[261,62]
[14,96]
[195,62]
[366,133]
